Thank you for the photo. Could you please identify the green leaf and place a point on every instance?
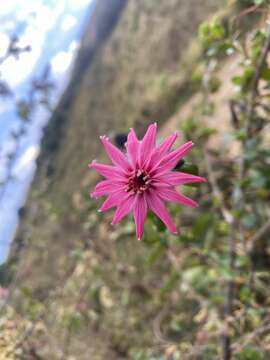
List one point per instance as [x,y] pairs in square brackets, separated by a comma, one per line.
[73,322]
[157,251]
[170,283]
[266,74]
[190,168]
[244,80]
[214,84]
[249,220]
[218,30]
[160,225]
[201,225]
[245,294]
[204,29]
[240,134]
[250,353]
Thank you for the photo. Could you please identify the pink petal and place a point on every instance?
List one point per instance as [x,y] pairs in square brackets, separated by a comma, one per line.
[113,200]
[169,194]
[169,161]
[125,207]
[158,207]
[178,178]
[106,187]
[117,157]
[161,150]
[147,144]
[167,143]
[132,147]
[108,171]
[140,212]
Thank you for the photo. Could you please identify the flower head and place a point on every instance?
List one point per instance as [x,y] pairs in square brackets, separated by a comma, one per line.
[143,179]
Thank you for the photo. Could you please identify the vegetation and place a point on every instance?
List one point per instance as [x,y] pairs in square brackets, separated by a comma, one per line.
[90,291]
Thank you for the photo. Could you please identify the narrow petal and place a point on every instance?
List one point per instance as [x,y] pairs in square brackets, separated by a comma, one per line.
[158,207]
[147,144]
[161,150]
[170,194]
[178,178]
[167,143]
[170,160]
[132,147]
[117,157]
[140,212]
[106,187]
[113,200]
[125,207]
[108,171]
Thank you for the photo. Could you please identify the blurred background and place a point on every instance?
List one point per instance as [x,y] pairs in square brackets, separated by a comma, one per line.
[38,42]
[71,285]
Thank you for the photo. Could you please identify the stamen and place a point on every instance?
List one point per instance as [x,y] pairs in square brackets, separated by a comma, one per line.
[138,182]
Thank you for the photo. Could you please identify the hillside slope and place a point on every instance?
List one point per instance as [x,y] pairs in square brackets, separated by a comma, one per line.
[91,289]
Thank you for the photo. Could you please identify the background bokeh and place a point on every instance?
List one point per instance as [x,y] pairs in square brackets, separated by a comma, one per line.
[75,287]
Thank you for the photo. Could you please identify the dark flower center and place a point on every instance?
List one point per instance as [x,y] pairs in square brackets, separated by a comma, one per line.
[138,182]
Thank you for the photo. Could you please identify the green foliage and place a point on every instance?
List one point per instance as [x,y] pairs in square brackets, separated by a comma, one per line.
[248,3]
[250,353]
[214,39]
[73,322]
[202,249]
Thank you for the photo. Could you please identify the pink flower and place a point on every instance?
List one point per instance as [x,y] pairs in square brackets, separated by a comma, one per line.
[143,179]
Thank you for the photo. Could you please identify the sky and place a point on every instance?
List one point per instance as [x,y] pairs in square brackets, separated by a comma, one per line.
[52,28]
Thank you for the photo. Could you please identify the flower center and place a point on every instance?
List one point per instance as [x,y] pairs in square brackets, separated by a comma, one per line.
[138,182]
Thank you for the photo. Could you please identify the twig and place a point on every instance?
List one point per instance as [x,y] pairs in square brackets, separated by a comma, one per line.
[252,104]
[216,190]
[10,166]
[255,82]
[260,235]
[228,310]
[157,327]
[265,328]
[250,114]
[249,10]
[234,116]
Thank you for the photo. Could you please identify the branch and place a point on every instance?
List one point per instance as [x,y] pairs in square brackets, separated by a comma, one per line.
[226,342]
[228,310]
[256,80]
[216,190]
[260,235]
[239,202]
[234,117]
[258,332]
[249,10]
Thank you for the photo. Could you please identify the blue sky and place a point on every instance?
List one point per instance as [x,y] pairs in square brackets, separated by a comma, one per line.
[52,28]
